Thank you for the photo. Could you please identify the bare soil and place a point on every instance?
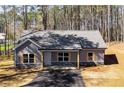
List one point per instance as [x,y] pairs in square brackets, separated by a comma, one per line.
[107,75]
[12,77]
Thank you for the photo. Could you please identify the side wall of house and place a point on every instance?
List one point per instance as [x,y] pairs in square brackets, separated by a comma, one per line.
[98,55]
[27,48]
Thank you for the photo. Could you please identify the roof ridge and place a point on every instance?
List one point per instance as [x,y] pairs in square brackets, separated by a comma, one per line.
[59,31]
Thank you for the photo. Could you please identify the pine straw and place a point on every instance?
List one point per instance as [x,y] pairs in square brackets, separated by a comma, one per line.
[118,50]
[107,75]
[113,76]
[12,77]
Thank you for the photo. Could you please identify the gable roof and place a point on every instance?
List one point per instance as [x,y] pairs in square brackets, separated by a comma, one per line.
[66,39]
[25,41]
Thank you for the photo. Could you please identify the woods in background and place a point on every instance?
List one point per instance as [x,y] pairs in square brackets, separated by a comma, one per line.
[109,20]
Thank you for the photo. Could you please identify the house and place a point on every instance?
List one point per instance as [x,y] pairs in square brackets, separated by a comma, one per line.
[60,48]
[2,37]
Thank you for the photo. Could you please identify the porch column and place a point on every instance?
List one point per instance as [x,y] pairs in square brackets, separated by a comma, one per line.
[78,60]
[42,59]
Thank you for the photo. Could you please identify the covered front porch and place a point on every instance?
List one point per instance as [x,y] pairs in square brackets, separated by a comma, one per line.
[61,58]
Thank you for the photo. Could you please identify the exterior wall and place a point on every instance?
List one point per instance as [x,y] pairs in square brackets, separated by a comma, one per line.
[51,58]
[98,55]
[72,56]
[54,56]
[27,49]
[47,58]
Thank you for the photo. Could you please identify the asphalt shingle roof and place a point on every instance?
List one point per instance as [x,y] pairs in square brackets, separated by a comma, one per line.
[66,39]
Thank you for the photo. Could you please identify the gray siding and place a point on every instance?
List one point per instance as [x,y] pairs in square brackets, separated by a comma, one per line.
[47,58]
[50,58]
[98,55]
[73,56]
[54,56]
[27,48]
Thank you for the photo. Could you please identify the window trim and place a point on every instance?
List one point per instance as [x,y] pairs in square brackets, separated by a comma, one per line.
[63,57]
[92,56]
[28,58]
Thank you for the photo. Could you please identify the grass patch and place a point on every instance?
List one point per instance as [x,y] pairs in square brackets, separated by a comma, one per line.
[3,47]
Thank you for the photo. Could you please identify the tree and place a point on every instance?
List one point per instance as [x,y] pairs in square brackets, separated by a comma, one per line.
[44,13]
[14,21]
[25,20]
[5,29]
[108,24]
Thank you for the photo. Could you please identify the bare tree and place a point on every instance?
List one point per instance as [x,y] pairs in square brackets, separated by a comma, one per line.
[4,8]
[14,21]
[45,13]
[25,20]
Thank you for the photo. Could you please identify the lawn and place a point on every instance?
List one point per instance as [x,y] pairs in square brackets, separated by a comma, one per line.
[11,77]
[107,75]
[3,47]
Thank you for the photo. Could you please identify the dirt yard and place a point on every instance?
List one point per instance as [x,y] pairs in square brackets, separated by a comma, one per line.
[11,77]
[118,50]
[107,75]
[104,76]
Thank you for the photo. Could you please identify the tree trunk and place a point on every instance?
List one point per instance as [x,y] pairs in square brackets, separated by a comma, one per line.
[25,17]
[44,11]
[14,28]
[5,29]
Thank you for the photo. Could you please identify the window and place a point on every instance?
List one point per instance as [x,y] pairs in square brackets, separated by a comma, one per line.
[63,57]
[28,58]
[31,58]
[90,56]
[25,58]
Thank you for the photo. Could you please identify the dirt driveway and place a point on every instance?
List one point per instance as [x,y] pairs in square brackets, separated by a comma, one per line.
[57,78]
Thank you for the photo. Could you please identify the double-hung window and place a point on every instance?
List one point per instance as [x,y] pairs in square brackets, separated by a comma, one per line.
[63,57]
[28,58]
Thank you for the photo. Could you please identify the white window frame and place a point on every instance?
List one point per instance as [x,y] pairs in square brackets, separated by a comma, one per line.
[88,57]
[28,58]
[62,57]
